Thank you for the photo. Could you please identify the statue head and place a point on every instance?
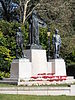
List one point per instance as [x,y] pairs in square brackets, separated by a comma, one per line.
[34,12]
[56,31]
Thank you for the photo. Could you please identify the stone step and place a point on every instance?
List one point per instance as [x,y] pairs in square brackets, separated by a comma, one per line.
[10,79]
[36,90]
[8,82]
[70,77]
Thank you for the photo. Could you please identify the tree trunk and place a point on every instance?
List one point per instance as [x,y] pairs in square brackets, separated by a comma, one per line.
[25,9]
[20,10]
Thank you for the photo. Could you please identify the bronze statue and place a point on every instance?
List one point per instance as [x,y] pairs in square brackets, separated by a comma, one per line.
[57,43]
[19,43]
[35,23]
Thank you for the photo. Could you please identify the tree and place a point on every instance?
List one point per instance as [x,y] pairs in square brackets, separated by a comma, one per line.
[5,9]
[5,57]
[26,8]
[8,6]
[68,50]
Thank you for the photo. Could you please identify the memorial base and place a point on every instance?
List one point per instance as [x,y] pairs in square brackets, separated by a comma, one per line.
[50,68]
[20,69]
[38,59]
[59,67]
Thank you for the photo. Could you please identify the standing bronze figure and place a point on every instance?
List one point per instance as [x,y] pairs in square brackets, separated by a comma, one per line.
[19,43]
[35,23]
[57,43]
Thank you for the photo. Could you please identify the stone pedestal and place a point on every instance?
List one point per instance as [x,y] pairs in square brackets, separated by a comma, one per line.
[20,69]
[59,67]
[50,68]
[38,59]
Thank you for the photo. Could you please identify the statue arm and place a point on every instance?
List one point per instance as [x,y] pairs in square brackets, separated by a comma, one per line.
[41,22]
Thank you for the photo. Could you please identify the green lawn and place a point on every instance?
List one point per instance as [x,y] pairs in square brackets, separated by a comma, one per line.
[25,97]
[7,85]
[52,85]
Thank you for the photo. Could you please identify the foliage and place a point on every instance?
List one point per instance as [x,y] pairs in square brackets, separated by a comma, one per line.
[68,50]
[25,31]
[58,14]
[17,10]
[43,38]
[4,75]
[8,43]
[5,57]
[8,10]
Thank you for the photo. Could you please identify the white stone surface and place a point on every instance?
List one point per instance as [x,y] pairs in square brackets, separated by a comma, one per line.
[50,68]
[59,67]
[38,59]
[73,90]
[70,77]
[37,90]
[20,69]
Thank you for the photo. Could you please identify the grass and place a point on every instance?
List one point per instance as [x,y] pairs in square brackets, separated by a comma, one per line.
[25,97]
[52,85]
[7,85]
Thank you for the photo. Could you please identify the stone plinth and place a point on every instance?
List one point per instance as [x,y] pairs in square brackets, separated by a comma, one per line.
[38,59]
[50,68]
[59,67]
[20,69]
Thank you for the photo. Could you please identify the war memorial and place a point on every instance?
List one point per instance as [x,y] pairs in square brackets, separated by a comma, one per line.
[33,66]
